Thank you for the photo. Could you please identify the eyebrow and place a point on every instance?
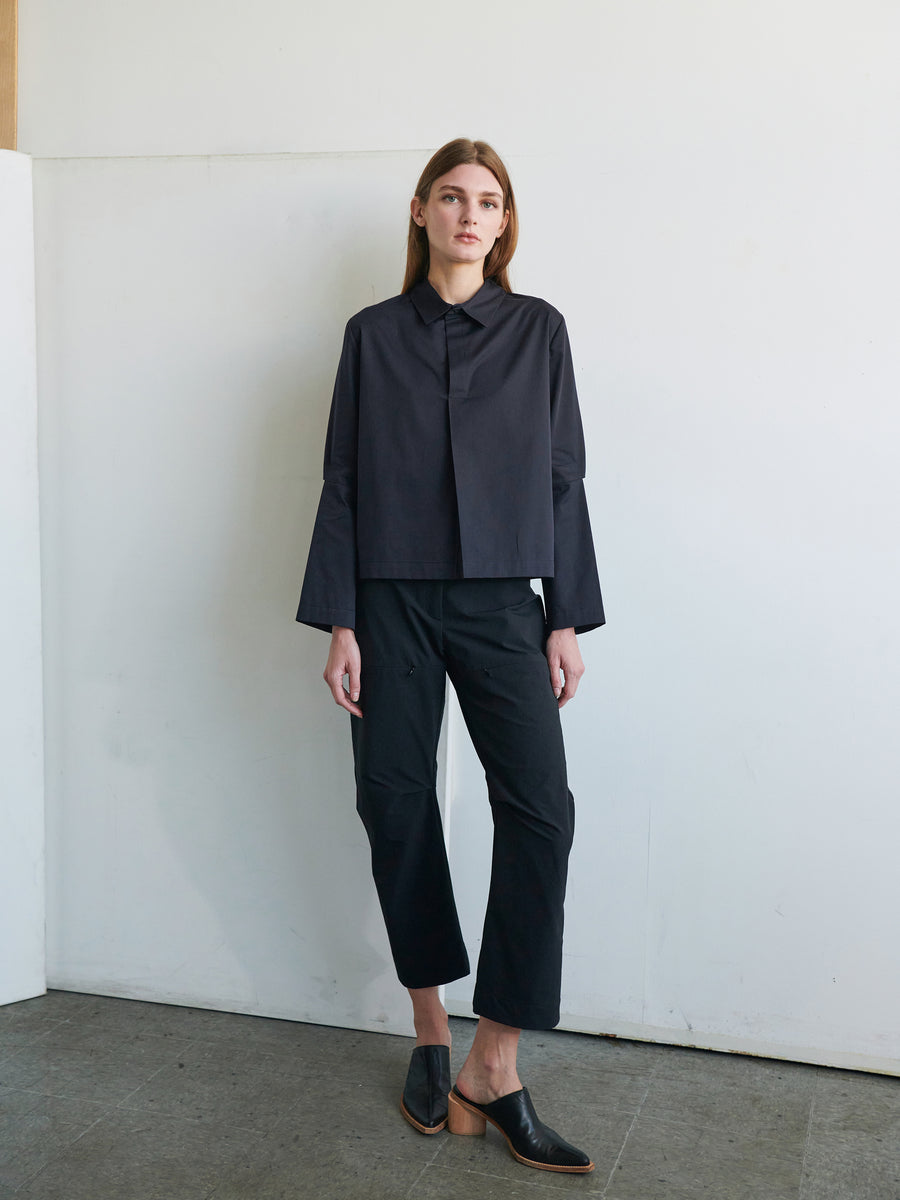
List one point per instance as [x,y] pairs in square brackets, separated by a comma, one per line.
[451,187]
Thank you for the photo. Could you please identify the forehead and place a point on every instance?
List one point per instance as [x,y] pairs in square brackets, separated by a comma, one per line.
[470,177]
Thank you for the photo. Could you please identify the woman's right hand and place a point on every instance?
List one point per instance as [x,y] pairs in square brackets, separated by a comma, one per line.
[343,659]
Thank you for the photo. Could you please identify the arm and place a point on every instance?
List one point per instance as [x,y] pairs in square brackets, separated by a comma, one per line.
[572,594]
[328,598]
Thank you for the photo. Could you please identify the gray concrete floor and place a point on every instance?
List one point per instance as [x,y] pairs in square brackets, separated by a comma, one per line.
[105,1099]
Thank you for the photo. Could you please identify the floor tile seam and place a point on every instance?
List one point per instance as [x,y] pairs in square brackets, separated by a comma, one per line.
[10,1024]
[267,1065]
[867,1144]
[30,1091]
[723,1131]
[804,1172]
[202,1044]
[154,1110]
[21,1121]
[643,1099]
[117,1059]
[14,1054]
[59,1152]
[103,1050]
[191,1036]
[149,1079]
[760,1101]
[741,1078]
[412,1189]
[634,1119]
[737,1074]
[618,1159]
[537,1185]
[819,1142]
[87,1129]
[622,1111]
[31,1178]
[323,1061]
[48,1032]
[861,1157]
[586,1069]
[103,1111]
[230,1035]
[195,1121]
[746,1087]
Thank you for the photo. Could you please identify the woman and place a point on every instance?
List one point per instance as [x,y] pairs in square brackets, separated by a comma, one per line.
[454,468]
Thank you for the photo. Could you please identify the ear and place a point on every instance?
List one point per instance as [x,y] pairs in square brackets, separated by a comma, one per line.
[504,225]
[417,211]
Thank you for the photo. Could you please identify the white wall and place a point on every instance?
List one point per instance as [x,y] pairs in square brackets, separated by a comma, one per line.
[708,192]
[734,751]
[21,716]
[204,845]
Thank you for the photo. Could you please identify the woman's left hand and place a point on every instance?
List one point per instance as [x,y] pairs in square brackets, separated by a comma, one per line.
[565,662]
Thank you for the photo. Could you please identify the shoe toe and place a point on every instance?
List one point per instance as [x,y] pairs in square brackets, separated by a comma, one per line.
[424,1100]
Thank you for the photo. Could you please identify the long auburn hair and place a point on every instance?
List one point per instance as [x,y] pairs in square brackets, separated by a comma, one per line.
[455,154]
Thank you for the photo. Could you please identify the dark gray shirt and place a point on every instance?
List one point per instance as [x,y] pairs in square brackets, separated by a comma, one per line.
[454,450]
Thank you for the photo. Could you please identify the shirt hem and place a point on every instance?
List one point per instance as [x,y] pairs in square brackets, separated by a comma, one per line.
[472,570]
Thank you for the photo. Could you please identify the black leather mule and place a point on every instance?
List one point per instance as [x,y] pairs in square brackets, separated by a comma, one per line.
[530,1141]
[424,1099]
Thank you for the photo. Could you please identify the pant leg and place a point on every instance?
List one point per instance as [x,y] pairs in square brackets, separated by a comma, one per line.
[500,673]
[395,755]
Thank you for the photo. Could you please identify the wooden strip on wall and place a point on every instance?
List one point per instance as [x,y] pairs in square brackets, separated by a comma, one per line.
[8,73]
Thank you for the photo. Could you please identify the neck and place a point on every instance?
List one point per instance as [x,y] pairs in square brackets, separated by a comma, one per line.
[456,282]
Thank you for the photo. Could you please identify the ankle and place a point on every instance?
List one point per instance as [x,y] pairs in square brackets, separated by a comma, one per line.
[433,1037]
[432,1030]
[484,1079]
[488,1066]
[430,1020]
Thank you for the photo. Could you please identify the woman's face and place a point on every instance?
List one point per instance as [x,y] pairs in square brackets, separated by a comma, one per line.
[463,216]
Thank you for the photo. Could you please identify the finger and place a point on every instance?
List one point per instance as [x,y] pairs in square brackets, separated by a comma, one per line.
[342,698]
[336,687]
[556,681]
[354,709]
[573,678]
[350,697]
[354,682]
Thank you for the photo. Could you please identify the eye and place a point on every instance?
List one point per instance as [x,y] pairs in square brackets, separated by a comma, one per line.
[488,204]
[450,196]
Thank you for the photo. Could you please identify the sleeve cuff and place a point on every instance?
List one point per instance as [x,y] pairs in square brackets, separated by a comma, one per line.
[326,618]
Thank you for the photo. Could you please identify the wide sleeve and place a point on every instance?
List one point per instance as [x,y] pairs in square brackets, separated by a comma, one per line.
[572,596]
[328,596]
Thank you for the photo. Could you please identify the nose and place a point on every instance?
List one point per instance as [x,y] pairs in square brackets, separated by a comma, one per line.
[469,214]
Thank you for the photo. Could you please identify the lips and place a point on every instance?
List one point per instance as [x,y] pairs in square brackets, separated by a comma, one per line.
[467,237]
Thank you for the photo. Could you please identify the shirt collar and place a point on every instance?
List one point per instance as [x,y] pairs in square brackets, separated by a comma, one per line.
[480,308]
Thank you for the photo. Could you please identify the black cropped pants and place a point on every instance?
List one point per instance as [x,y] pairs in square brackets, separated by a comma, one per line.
[488,636]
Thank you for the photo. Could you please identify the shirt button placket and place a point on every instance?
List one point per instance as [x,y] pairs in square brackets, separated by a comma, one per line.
[459,371]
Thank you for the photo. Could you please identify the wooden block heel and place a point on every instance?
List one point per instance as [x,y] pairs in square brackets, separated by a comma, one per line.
[462,1119]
